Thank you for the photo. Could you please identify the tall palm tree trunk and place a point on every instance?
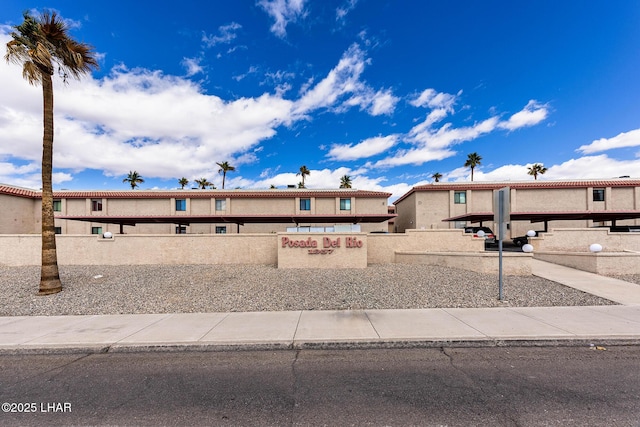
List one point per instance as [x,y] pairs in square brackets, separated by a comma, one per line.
[49,274]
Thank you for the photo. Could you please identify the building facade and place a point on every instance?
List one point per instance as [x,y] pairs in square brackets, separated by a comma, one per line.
[195,211]
[561,204]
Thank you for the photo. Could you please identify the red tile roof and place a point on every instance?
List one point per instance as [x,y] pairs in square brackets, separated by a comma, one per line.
[18,191]
[196,194]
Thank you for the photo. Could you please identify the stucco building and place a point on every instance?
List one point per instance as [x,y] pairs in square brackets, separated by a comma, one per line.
[196,211]
[554,204]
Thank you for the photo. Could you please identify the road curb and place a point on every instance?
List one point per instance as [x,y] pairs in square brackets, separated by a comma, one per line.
[324,345]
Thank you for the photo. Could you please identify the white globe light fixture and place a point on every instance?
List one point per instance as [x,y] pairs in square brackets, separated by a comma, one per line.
[595,248]
[527,248]
[107,235]
[531,233]
[480,233]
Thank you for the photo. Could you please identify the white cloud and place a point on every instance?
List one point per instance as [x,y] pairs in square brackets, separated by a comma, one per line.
[532,114]
[367,148]
[622,140]
[343,89]
[226,34]
[192,65]
[343,79]
[343,11]
[163,126]
[435,100]
[588,167]
[434,143]
[283,12]
[383,102]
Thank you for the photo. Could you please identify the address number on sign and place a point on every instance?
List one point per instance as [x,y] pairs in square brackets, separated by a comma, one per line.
[320,251]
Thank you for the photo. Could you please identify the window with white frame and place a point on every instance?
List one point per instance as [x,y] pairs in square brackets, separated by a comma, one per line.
[221,204]
[345,204]
[181,205]
[305,204]
[460,197]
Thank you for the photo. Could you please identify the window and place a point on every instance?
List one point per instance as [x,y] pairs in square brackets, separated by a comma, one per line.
[57,230]
[459,224]
[181,205]
[221,229]
[96,230]
[305,204]
[460,197]
[181,229]
[598,194]
[57,205]
[345,204]
[221,204]
[96,205]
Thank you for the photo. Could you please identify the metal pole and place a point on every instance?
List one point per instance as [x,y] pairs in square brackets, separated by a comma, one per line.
[501,236]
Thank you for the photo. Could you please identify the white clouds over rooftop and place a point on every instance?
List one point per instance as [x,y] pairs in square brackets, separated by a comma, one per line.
[532,114]
[622,140]
[367,148]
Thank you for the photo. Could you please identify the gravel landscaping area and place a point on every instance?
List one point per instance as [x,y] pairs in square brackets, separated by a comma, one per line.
[226,288]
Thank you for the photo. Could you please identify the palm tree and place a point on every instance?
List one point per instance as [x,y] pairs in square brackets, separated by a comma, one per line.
[436,176]
[303,172]
[41,45]
[473,160]
[133,179]
[345,182]
[183,181]
[224,168]
[536,169]
[202,183]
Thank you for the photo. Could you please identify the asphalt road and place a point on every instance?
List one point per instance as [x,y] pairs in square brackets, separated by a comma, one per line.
[439,387]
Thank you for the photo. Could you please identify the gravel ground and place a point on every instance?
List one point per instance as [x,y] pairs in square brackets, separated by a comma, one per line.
[225,288]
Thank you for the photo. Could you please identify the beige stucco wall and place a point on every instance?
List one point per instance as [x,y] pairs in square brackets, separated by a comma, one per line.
[143,249]
[580,239]
[263,206]
[382,247]
[221,249]
[406,212]
[624,199]
[17,215]
[536,200]
[480,200]
[605,263]
[518,264]
[134,207]
[325,205]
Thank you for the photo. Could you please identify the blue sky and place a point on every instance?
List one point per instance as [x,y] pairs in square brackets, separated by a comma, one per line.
[387,92]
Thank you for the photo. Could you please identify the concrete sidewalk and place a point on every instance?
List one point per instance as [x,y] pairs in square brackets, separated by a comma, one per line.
[619,324]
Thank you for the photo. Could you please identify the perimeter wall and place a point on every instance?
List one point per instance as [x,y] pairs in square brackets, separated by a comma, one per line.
[24,249]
